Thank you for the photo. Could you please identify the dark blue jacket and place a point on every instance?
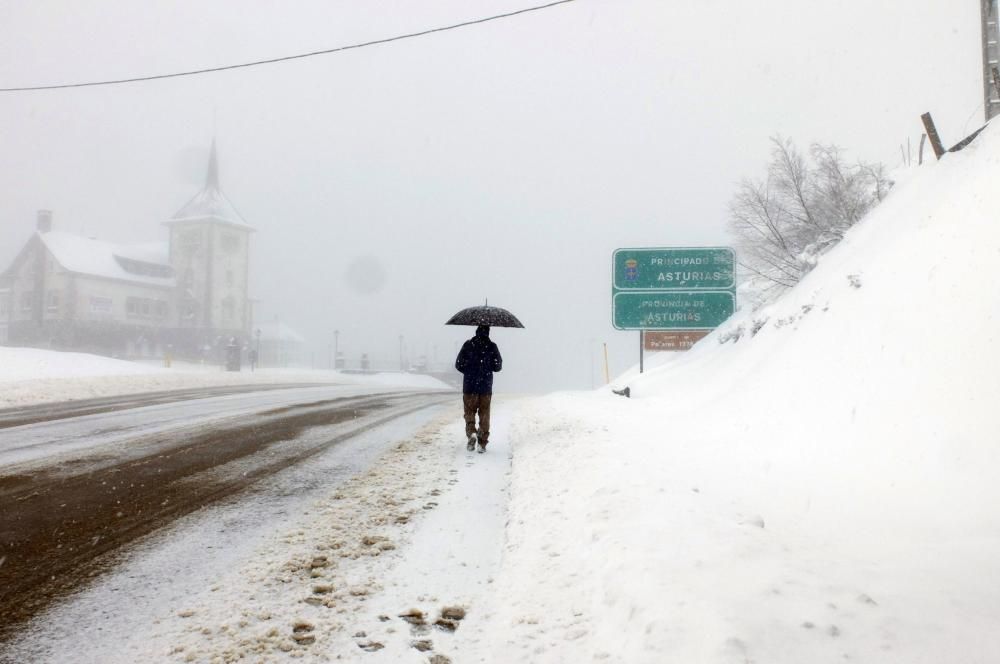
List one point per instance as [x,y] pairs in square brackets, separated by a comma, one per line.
[477,360]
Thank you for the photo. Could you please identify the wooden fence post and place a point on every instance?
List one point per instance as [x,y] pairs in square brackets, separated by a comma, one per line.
[933,135]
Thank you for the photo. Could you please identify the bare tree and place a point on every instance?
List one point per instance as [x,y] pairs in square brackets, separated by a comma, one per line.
[786,221]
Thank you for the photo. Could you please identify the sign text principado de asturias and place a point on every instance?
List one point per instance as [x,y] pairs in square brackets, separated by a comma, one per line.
[666,288]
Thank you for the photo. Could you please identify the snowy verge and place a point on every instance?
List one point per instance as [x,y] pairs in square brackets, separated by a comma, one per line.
[32,376]
[814,482]
[644,533]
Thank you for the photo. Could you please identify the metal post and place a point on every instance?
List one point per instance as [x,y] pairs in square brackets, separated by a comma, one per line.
[991,35]
[607,371]
[336,347]
[642,349]
[257,334]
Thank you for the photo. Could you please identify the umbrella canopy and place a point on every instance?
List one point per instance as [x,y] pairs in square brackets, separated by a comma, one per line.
[485,315]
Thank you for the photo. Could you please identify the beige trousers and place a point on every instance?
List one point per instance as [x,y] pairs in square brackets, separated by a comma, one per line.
[477,403]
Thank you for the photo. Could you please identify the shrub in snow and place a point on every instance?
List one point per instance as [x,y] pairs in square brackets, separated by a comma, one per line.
[785,222]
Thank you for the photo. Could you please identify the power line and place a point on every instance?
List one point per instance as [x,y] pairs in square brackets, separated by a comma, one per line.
[299,56]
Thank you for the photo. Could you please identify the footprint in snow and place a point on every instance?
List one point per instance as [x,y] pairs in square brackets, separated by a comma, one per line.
[755,520]
[446,625]
[301,633]
[453,613]
[414,617]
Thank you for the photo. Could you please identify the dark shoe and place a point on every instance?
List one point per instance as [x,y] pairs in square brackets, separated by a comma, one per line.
[482,447]
[472,443]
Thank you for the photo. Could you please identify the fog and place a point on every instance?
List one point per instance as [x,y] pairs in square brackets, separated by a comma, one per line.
[391,186]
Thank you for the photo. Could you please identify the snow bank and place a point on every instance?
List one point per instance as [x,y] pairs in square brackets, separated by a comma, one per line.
[31,376]
[813,483]
[18,364]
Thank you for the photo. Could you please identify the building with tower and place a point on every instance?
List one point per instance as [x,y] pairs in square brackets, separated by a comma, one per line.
[188,296]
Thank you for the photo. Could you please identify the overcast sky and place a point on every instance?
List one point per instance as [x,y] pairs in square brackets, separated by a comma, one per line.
[505,160]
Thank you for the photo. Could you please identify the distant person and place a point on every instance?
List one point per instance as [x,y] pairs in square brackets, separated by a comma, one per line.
[477,361]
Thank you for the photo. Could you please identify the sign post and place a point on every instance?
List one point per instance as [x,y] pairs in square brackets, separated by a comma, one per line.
[642,342]
[684,291]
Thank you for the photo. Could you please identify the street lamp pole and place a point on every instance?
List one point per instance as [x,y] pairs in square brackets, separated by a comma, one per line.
[401,367]
[257,334]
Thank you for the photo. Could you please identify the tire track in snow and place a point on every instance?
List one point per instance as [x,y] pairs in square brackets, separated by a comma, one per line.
[58,528]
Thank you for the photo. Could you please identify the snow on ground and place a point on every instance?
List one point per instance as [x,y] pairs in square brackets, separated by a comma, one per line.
[812,483]
[18,364]
[316,573]
[31,376]
[418,535]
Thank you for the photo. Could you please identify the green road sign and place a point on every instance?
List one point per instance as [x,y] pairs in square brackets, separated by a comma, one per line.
[672,310]
[685,268]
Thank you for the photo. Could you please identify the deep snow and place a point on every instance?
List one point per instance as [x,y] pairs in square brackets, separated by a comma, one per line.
[821,487]
[811,483]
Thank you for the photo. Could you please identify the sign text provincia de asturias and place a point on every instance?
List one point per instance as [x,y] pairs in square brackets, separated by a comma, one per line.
[673,288]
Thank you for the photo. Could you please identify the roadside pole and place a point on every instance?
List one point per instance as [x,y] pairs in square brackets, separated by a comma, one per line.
[607,372]
[642,347]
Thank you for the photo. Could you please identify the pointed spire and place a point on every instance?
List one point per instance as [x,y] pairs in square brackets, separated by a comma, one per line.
[210,204]
[212,178]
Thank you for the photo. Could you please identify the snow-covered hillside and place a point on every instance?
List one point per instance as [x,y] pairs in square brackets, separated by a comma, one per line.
[813,483]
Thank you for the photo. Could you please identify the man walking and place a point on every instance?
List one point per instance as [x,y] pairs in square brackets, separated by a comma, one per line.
[477,361]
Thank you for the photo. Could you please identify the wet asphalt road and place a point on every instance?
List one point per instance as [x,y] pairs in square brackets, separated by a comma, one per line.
[82,485]
[12,417]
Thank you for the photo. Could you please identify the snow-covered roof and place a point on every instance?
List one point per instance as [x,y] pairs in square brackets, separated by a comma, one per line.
[277,331]
[210,204]
[149,252]
[142,263]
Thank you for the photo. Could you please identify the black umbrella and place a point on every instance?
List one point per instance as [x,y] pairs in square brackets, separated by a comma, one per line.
[485,315]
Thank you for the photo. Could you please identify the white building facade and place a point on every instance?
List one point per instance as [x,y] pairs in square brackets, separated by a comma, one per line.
[187,296]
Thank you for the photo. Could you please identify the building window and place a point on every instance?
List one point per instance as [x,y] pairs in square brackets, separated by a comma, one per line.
[145,269]
[100,305]
[52,301]
[27,301]
[144,307]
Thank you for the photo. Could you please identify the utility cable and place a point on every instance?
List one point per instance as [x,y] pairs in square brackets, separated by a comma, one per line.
[299,56]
